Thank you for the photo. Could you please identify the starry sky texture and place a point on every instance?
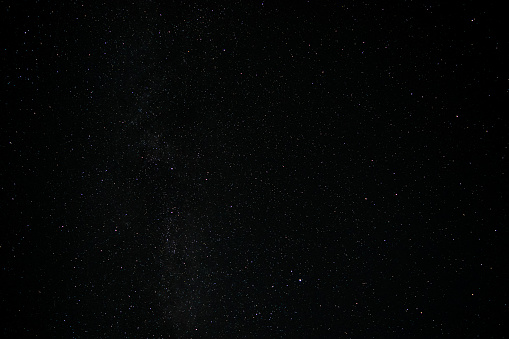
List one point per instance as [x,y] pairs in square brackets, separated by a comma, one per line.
[313,169]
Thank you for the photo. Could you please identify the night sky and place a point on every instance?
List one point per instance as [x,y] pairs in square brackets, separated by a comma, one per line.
[319,169]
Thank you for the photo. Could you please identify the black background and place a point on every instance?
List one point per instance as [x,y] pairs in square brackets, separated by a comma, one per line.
[314,169]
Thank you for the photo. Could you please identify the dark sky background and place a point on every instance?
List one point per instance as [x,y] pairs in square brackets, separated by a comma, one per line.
[318,169]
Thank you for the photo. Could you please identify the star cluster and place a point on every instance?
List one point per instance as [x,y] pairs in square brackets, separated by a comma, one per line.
[185,169]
